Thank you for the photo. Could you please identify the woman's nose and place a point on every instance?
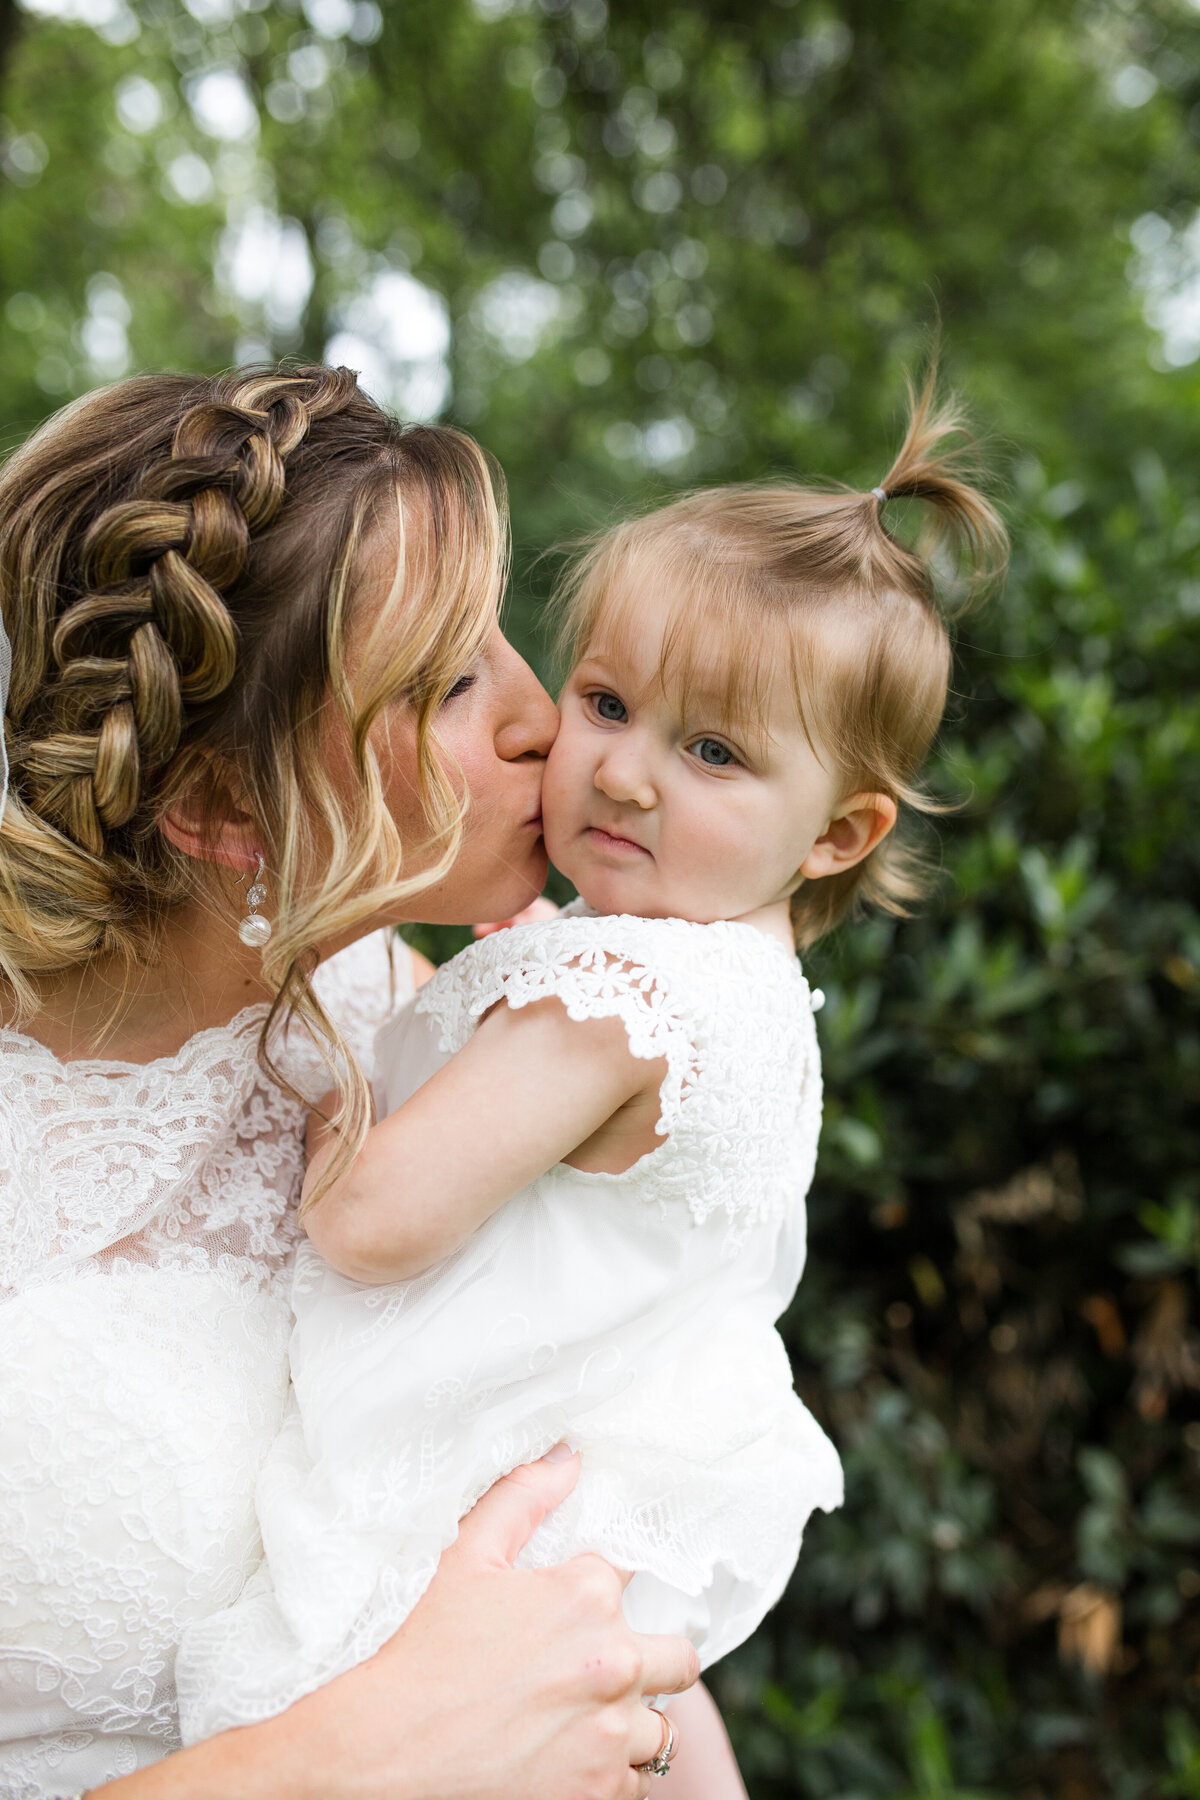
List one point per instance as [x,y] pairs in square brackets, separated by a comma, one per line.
[529,723]
[623,777]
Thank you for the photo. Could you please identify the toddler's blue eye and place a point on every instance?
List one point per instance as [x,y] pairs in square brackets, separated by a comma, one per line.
[713,752]
[609,707]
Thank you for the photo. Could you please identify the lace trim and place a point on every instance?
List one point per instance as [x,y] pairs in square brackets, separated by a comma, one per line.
[591,980]
[743,1070]
[198,1152]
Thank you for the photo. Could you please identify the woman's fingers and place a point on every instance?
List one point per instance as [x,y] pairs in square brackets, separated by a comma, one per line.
[605,1570]
[502,1681]
[500,1524]
[669,1664]
[649,1736]
[584,1710]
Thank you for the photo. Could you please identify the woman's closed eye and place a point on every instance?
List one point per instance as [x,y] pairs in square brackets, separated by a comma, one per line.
[713,753]
[461,686]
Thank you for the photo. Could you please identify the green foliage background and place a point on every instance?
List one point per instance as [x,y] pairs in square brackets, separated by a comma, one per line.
[702,242]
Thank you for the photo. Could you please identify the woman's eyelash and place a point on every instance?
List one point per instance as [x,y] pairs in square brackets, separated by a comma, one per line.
[461,685]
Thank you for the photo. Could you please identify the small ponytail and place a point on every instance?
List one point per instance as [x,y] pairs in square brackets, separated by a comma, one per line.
[961,524]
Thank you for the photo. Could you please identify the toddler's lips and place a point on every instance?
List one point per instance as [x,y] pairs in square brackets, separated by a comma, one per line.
[613,843]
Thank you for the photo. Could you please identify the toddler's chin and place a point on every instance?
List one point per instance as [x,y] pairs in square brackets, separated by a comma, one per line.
[599,891]
[559,851]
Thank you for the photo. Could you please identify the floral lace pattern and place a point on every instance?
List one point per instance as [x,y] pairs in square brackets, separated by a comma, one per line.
[727,1007]
[147,1219]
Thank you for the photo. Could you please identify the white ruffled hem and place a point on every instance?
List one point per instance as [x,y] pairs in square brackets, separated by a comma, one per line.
[711,1545]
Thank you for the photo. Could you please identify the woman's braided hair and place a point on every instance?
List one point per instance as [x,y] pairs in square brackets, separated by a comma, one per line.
[142,633]
[176,575]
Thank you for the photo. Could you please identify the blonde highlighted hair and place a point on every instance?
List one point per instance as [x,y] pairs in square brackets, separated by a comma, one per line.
[179,559]
[815,575]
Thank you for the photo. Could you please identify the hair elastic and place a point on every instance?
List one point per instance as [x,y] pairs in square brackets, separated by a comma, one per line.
[880,494]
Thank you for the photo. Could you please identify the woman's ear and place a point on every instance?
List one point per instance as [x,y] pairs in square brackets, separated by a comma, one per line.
[212,824]
[853,831]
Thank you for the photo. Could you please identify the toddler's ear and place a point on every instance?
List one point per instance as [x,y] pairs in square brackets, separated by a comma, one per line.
[859,824]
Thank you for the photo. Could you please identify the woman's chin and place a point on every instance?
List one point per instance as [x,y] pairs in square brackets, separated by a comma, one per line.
[511,892]
[503,894]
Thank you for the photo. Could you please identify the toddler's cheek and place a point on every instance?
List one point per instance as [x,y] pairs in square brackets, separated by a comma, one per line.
[555,834]
[560,788]
[557,759]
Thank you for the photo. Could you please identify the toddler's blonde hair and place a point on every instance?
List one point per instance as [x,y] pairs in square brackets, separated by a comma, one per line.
[814,574]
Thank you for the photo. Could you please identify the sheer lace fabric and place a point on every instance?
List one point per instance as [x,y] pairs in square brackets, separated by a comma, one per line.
[631,1314]
[147,1222]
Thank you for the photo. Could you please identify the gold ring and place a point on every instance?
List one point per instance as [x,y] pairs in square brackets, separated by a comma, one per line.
[660,1763]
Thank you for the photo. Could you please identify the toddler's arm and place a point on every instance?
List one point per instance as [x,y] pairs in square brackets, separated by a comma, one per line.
[529,1088]
[705,1767]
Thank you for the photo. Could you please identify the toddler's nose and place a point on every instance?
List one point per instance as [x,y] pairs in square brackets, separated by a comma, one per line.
[625,780]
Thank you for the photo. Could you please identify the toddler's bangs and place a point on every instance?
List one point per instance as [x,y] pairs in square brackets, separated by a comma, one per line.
[727,636]
[728,631]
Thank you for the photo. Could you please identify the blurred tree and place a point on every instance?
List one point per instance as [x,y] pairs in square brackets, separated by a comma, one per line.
[634,246]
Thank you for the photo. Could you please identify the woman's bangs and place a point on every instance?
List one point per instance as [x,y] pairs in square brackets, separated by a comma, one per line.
[441,602]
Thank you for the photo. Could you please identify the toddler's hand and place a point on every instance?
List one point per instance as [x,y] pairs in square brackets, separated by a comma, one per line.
[541,908]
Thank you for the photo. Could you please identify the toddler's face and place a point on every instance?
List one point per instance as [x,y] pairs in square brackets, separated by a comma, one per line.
[651,807]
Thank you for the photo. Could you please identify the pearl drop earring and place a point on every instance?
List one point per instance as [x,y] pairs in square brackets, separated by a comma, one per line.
[254,929]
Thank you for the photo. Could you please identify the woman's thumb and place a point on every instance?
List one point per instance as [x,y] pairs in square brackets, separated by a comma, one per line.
[501,1523]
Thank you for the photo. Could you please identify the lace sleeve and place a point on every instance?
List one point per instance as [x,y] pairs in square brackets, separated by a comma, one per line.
[727,1008]
[597,968]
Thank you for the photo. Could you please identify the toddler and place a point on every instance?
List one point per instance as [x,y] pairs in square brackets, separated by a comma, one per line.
[582,1209]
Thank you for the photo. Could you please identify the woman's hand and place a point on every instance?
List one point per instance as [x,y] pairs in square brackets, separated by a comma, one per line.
[508,1682]
[503,1684]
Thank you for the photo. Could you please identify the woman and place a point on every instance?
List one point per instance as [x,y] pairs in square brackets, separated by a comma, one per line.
[254,640]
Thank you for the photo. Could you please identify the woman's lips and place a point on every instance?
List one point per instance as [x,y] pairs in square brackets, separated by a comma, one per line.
[610,841]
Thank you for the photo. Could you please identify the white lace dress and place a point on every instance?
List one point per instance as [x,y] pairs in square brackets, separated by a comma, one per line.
[147,1220]
[631,1314]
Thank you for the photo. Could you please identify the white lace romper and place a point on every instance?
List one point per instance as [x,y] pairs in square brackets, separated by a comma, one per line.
[632,1315]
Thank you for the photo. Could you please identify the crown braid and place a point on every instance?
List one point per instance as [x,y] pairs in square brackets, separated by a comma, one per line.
[180,564]
[151,634]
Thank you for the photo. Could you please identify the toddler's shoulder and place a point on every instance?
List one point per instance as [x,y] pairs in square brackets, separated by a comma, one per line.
[596,965]
[711,983]
[728,1010]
